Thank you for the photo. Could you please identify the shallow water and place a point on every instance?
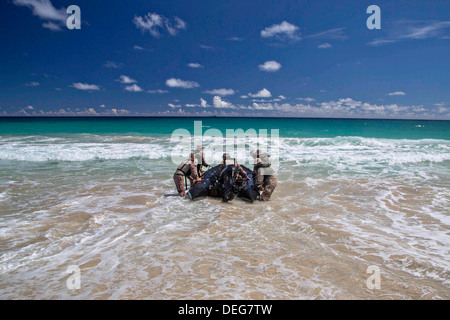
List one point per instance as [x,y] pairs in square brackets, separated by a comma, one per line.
[342,204]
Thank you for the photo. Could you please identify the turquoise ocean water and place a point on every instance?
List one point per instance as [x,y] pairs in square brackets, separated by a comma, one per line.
[91,192]
[307,128]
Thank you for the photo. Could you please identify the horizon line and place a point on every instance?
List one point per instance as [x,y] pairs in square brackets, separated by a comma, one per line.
[203,117]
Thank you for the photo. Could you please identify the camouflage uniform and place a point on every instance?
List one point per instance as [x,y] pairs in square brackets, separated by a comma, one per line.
[185,169]
[200,159]
[265,176]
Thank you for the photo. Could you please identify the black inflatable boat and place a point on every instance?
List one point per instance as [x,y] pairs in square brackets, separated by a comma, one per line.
[226,184]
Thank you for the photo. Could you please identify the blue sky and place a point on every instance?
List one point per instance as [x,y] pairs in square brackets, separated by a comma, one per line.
[231,58]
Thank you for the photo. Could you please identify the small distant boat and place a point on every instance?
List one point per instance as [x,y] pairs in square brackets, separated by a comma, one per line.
[226,184]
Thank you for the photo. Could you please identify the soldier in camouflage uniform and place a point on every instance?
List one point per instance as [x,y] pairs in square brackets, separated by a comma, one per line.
[228,161]
[200,159]
[263,175]
[186,169]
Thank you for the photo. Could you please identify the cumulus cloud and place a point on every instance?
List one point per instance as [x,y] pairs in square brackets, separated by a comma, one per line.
[345,107]
[133,88]
[221,104]
[126,80]
[307,99]
[159,91]
[178,83]
[325,45]
[92,111]
[220,92]
[270,66]
[195,65]
[85,86]
[396,93]
[154,24]
[31,111]
[282,31]
[261,106]
[264,93]
[44,9]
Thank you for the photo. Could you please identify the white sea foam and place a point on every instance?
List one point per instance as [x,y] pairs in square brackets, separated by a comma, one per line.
[346,151]
[79,151]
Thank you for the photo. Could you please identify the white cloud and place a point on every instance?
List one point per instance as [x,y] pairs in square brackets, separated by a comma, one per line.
[235,39]
[91,111]
[261,106]
[425,31]
[325,45]
[396,93]
[264,93]
[133,88]
[45,10]
[139,48]
[113,65]
[380,42]
[345,107]
[270,66]
[52,26]
[154,24]
[173,28]
[220,92]
[281,31]
[202,104]
[307,99]
[158,91]
[174,105]
[195,65]
[85,86]
[178,83]
[32,84]
[335,34]
[126,80]
[206,47]
[221,104]
[413,30]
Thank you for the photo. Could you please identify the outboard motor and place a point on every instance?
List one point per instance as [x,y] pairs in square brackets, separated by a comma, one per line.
[231,183]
